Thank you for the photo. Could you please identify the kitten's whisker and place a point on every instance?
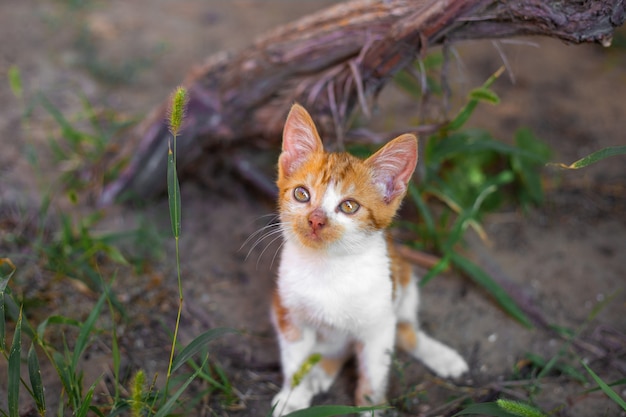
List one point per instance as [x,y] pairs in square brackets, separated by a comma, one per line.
[268,245]
[267,226]
[256,233]
[261,239]
[276,253]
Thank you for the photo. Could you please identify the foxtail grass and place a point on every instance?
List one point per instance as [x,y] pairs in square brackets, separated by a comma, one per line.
[175,121]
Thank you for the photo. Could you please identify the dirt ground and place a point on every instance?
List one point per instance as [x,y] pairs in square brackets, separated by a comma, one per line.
[563,258]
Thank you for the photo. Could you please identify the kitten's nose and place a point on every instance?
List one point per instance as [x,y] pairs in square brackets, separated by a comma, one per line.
[317,219]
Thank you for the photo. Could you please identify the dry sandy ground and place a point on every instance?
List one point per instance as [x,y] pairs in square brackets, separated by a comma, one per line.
[564,257]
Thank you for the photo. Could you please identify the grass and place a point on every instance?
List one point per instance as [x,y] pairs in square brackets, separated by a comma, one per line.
[78,253]
[468,174]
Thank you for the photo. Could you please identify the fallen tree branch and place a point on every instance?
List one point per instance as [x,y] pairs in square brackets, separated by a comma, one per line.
[331,62]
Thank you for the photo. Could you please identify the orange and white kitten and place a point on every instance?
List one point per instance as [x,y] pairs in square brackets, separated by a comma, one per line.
[341,289]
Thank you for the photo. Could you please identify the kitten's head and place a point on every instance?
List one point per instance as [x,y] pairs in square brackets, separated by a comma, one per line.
[335,199]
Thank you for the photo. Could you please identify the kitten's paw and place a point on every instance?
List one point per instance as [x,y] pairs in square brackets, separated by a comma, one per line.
[439,358]
[447,364]
[287,401]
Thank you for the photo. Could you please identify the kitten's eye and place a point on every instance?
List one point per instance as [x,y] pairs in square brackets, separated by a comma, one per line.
[349,206]
[301,194]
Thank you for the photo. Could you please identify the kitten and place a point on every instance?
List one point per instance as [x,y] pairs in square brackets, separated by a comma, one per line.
[342,289]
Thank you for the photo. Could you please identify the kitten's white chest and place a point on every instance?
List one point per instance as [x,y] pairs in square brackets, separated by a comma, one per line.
[348,293]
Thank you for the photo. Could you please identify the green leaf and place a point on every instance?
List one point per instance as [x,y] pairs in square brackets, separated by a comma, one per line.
[480,95]
[197,344]
[441,266]
[14,369]
[115,255]
[472,141]
[463,116]
[605,388]
[3,345]
[423,209]
[62,370]
[15,81]
[86,330]
[85,405]
[484,409]
[34,373]
[594,157]
[333,410]
[73,136]
[484,94]
[485,281]
[173,192]
[611,384]
[169,404]
[7,269]
[528,170]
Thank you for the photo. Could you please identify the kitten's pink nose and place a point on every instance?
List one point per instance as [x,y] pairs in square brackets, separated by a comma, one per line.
[317,219]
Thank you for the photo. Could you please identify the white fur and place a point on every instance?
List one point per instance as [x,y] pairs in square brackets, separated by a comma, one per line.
[340,298]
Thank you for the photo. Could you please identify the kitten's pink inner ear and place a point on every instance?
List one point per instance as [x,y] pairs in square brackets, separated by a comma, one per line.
[300,140]
[393,166]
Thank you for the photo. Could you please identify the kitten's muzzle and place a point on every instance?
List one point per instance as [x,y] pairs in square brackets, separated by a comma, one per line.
[317,219]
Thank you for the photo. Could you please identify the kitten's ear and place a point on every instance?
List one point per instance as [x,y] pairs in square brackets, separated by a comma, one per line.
[300,140]
[393,166]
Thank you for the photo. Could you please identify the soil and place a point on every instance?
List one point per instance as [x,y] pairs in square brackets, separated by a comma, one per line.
[564,258]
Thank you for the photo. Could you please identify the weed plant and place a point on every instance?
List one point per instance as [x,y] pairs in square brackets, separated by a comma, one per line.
[77,252]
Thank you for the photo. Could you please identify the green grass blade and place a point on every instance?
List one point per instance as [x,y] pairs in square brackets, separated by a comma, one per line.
[86,330]
[3,344]
[594,157]
[197,344]
[333,410]
[173,192]
[96,411]
[171,401]
[34,373]
[605,388]
[15,81]
[7,269]
[423,209]
[85,405]
[485,281]
[484,409]
[60,365]
[442,265]
[611,384]
[68,131]
[14,369]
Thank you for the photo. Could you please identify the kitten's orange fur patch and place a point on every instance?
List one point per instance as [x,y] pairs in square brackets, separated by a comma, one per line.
[331,365]
[401,270]
[406,337]
[289,330]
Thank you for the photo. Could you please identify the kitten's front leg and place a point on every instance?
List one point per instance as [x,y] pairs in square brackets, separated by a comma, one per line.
[293,353]
[374,357]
